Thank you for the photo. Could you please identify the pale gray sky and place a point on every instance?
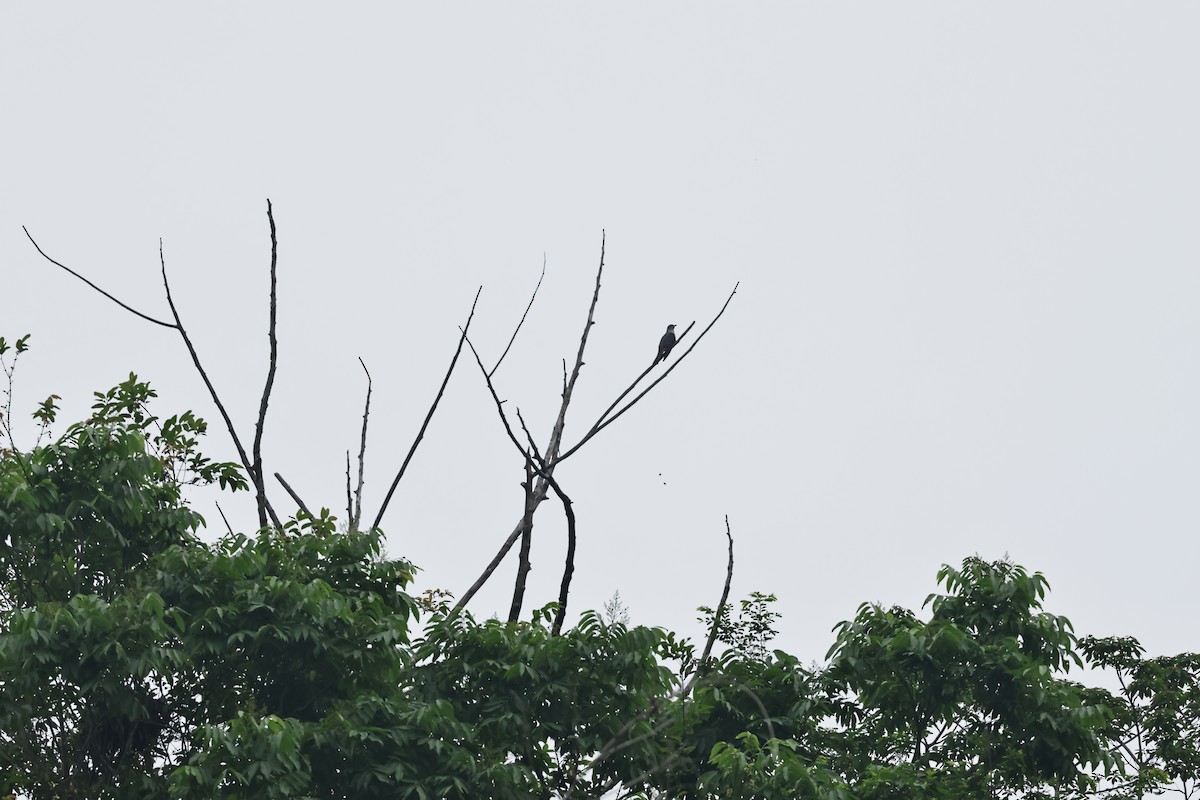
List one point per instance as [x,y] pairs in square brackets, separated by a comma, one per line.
[966,236]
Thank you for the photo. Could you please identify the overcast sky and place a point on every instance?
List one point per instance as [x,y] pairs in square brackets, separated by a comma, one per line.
[966,236]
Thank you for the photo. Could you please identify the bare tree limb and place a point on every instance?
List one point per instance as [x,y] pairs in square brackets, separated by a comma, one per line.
[496,400]
[523,563]
[421,434]
[228,527]
[603,423]
[272,360]
[362,453]
[560,423]
[712,631]
[542,487]
[212,390]
[522,322]
[349,502]
[633,385]
[130,309]
[569,567]
[252,470]
[295,496]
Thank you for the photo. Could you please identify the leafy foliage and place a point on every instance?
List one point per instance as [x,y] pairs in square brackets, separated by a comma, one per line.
[1154,731]
[137,661]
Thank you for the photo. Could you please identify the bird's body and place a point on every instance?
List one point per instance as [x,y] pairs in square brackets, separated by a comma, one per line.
[665,344]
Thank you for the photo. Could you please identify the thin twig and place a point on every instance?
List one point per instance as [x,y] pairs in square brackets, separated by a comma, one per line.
[712,631]
[496,400]
[560,423]
[362,452]
[603,423]
[295,496]
[266,396]
[228,527]
[532,444]
[130,309]
[522,322]
[421,434]
[638,380]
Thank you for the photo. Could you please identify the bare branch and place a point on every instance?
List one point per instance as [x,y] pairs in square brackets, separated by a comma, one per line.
[603,423]
[712,631]
[556,433]
[495,562]
[252,467]
[487,377]
[266,396]
[529,438]
[228,527]
[349,502]
[362,454]
[523,563]
[421,434]
[569,567]
[542,487]
[522,322]
[130,309]
[212,391]
[295,496]
[633,386]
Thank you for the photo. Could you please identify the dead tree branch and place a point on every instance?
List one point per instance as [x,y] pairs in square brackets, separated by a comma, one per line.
[221,511]
[569,567]
[272,360]
[712,631]
[603,423]
[496,400]
[295,496]
[542,486]
[263,503]
[522,322]
[130,309]
[362,454]
[252,467]
[523,563]
[421,433]
[349,499]
[639,378]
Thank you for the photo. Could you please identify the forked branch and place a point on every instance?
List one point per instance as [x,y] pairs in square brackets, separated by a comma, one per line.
[606,420]
[542,485]
[253,466]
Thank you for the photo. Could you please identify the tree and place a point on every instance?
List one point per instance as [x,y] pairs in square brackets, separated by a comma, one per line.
[969,702]
[1154,731]
[138,661]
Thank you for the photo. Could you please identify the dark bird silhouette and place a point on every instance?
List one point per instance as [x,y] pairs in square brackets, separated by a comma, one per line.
[665,344]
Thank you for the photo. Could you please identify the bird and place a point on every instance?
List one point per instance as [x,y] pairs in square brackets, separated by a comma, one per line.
[665,344]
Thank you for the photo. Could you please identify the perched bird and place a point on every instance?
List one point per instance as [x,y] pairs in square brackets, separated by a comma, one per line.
[665,344]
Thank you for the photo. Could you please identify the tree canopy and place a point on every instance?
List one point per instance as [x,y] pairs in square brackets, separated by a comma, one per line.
[139,661]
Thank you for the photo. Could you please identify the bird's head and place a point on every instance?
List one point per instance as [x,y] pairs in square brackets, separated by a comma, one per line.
[671,328]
